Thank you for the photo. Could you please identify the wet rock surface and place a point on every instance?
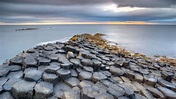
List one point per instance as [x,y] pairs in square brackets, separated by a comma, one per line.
[82,70]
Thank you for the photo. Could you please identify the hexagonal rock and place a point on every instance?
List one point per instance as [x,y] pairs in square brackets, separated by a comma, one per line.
[167,75]
[52,68]
[44,61]
[100,87]
[104,96]
[23,89]
[85,75]
[74,73]
[167,84]
[14,68]
[155,92]
[89,69]
[149,80]
[130,75]
[98,76]
[4,72]
[18,74]
[116,71]
[66,65]
[76,62]
[2,82]
[63,73]
[87,62]
[128,91]
[106,83]
[29,61]
[88,93]
[8,85]
[63,59]
[43,90]
[53,78]
[85,83]
[17,60]
[6,95]
[169,94]
[54,57]
[96,64]
[71,94]
[72,81]
[32,75]
[144,71]
[116,93]
[138,77]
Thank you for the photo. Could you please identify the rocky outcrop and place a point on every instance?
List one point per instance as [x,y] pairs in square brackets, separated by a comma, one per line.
[85,67]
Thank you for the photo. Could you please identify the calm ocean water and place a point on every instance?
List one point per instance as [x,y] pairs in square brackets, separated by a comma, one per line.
[147,39]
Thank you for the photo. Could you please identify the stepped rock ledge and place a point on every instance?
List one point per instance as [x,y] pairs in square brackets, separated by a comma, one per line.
[86,67]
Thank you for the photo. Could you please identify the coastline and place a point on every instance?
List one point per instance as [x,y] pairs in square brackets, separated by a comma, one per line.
[88,60]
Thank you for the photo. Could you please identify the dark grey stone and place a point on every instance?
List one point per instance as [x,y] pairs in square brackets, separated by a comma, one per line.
[169,94]
[4,72]
[23,89]
[139,96]
[29,61]
[150,80]
[155,92]
[53,78]
[8,85]
[17,60]
[43,90]
[2,82]
[85,75]
[18,74]
[96,64]
[116,71]
[63,59]
[76,62]
[44,61]
[115,93]
[74,73]
[85,83]
[167,84]
[52,68]
[54,57]
[71,94]
[97,76]
[100,87]
[6,95]
[14,68]
[167,75]
[66,65]
[63,73]
[87,62]
[89,69]
[144,71]
[88,93]
[72,81]
[32,75]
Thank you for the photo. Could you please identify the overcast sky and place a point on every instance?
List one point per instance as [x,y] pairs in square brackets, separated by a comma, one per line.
[26,11]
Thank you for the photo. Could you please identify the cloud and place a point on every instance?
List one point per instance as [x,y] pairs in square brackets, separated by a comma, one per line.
[132,3]
[39,12]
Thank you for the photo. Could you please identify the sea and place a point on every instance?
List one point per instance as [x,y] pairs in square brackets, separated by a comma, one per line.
[146,39]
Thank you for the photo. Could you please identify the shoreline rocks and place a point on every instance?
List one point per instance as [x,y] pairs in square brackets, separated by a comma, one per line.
[85,67]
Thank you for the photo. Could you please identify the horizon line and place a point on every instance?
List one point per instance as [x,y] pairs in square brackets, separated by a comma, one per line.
[98,23]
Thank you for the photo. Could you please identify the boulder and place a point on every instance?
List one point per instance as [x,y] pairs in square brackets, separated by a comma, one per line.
[85,75]
[169,94]
[63,73]
[97,76]
[23,89]
[43,90]
[52,78]
[116,71]
[32,75]
[72,81]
